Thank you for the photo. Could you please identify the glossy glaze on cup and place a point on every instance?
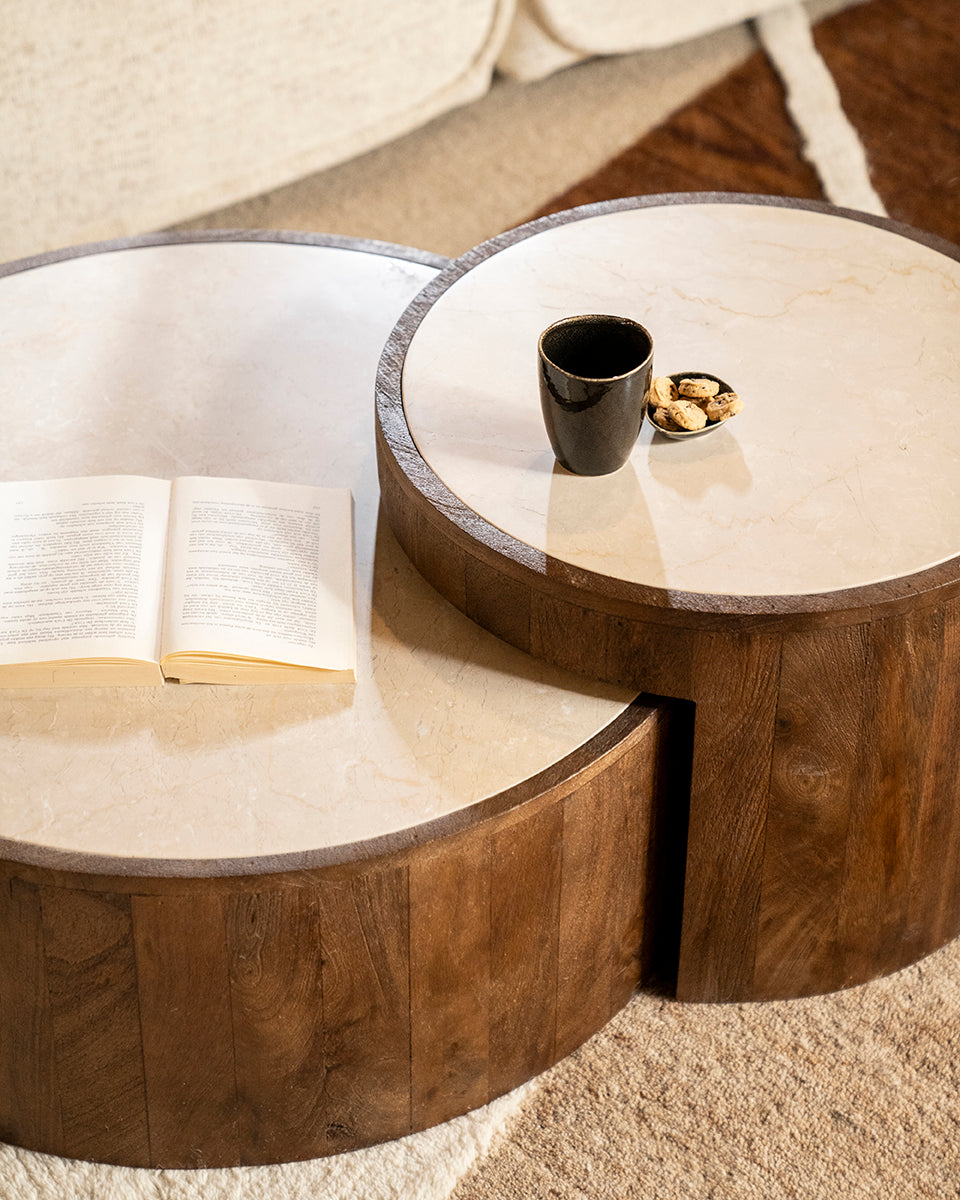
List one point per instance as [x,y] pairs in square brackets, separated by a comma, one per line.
[594,374]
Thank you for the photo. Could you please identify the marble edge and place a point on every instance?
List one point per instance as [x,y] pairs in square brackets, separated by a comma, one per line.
[669,199]
[686,609]
[424,258]
[597,753]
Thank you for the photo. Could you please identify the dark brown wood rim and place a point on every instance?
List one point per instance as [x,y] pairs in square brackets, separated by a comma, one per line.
[691,610]
[574,769]
[284,237]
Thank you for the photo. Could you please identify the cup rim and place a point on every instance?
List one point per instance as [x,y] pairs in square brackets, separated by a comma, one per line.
[609,318]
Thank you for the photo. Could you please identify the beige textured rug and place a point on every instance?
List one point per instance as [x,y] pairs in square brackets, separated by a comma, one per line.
[426,1166]
[852,1095]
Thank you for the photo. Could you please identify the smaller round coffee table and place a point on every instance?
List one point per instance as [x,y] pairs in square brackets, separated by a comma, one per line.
[791,579]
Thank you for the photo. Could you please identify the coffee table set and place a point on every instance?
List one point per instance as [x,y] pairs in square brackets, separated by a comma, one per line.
[690,723]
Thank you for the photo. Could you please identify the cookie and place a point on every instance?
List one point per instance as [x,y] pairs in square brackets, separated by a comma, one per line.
[660,418]
[686,414]
[697,389]
[722,407]
[662,391]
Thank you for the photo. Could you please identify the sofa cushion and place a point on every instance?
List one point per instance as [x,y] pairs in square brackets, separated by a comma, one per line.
[550,34]
[118,119]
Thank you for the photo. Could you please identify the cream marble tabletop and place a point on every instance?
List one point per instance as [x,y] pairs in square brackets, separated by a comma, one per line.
[252,359]
[840,335]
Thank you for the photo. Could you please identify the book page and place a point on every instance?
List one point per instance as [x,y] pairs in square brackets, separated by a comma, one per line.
[260,570]
[81,568]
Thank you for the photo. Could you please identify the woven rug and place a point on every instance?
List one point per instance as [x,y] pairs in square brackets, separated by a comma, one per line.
[853,1095]
[895,66]
[850,1095]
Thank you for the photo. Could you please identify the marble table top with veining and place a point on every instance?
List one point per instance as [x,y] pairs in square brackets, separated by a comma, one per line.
[255,360]
[840,335]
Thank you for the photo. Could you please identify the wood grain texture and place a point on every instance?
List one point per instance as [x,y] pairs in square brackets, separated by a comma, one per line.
[902,671]
[601,949]
[735,682]
[366,1008]
[92,988]
[29,1080]
[813,785]
[933,906]
[184,1013]
[450,1006]
[276,1003]
[526,860]
[823,767]
[218,1021]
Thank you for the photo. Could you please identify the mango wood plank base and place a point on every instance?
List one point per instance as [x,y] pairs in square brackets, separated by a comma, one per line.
[823,846]
[258,1019]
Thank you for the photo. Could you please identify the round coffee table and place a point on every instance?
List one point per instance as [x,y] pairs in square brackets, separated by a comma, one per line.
[255,924]
[791,579]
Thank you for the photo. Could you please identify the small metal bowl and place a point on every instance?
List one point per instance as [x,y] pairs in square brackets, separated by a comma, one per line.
[679,435]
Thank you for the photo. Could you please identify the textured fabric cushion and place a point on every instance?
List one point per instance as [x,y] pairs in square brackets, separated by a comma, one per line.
[122,118]
[531,51]
[549,34]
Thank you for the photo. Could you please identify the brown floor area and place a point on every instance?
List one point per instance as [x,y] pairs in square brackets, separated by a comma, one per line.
[897,67]
[735,137]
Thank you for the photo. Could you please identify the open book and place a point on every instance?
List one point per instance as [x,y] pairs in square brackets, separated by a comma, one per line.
[123,579]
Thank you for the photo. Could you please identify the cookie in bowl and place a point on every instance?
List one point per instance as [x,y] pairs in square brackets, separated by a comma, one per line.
[690,403]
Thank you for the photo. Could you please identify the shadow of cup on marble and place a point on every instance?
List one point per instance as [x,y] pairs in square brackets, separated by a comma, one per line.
[604,526]
[594,372]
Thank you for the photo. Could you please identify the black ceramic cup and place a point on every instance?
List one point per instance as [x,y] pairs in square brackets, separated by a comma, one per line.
[594,375]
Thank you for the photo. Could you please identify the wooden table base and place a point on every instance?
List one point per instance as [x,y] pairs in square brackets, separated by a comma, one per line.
[824,835]
[823,846]
[269,1018]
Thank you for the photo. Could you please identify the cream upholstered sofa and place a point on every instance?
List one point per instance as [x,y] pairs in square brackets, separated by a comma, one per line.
[122,118]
